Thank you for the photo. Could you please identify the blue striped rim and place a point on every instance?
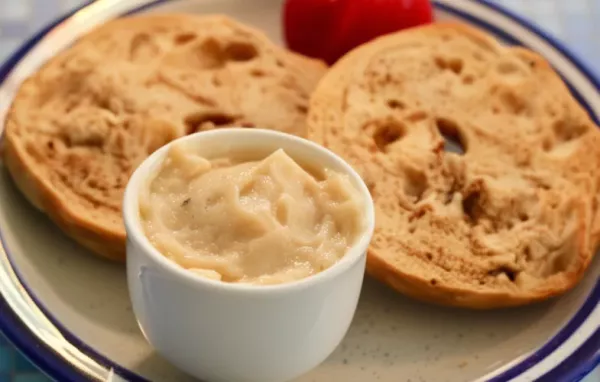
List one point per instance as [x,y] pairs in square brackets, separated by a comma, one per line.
[565,371]
[41,355]
[572,368]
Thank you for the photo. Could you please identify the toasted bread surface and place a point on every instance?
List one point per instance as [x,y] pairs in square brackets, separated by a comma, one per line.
[511,220]
[80,125]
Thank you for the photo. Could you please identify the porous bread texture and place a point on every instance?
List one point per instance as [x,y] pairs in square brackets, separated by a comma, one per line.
[511,221]
[79,126]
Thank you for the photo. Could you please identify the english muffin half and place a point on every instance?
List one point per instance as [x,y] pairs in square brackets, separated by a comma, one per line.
[79,126]
[511,220]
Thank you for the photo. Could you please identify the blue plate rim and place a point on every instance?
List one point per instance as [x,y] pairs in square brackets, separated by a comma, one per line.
[52,364]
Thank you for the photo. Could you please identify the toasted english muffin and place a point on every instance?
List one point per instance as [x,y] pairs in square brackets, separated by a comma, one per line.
[513,219]
[79,126]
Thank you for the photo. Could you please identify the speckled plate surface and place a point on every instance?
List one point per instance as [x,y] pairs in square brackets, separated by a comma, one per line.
[69,312]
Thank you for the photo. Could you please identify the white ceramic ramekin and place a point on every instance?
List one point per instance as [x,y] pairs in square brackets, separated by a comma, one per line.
[234,332]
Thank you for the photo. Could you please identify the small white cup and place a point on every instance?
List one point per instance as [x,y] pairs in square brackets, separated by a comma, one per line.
[219,331]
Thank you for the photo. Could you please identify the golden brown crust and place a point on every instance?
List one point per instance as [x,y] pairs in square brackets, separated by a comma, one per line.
[512,220]
[79,126]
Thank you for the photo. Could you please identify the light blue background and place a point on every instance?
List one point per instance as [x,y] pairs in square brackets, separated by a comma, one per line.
[573,21]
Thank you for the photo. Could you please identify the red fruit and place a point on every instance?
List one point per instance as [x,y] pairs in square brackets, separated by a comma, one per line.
[328,29]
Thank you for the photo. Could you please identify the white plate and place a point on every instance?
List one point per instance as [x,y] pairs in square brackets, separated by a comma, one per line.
[69,312]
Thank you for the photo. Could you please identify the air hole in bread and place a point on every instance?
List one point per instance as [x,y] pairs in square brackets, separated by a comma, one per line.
[433,282]
[370,186]
[246,124]
[547,144]
[450,132]
[449,197]
[416,116]
[93,183]
[396,104]
[471,205]
[208,55]
[508,67]
[429,256]
[386,133]
[455,65]
[143,47]
[417,214]
[468,79]
[303,109]
[509,273]
[240,51]
[551,110]
[32,150]
[184,38]
[257,73]
[561,260]
[565,131]
[513,102]
[416,184]
[523,217]
[527,253]
[206,121]
[455,188]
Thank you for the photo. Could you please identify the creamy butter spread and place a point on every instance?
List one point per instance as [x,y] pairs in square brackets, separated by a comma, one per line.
[261,222]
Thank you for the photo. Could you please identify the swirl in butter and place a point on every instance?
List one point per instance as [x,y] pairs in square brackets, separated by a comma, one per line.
[259,222]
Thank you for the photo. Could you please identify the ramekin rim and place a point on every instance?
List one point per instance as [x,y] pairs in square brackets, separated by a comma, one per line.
[135,232]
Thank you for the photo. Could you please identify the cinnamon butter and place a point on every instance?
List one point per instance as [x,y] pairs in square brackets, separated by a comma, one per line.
[264,221]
